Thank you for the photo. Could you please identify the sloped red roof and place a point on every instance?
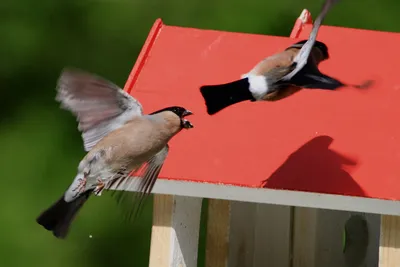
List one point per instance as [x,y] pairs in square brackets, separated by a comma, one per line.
[343,142]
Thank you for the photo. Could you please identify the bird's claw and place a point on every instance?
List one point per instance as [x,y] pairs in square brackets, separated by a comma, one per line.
[99,188]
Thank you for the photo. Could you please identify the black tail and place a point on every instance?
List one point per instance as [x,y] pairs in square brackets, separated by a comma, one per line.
[218,97]
[60,215]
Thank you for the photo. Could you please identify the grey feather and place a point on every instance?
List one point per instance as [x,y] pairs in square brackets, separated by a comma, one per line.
[148,174]
[99,105]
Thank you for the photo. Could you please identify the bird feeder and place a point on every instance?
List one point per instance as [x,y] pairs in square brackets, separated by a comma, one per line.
[282,178]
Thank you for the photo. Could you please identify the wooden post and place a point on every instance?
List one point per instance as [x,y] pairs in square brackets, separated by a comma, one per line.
[175,232]
[389,247]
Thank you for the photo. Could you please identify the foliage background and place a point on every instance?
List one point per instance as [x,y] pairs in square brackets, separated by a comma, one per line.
[40,145]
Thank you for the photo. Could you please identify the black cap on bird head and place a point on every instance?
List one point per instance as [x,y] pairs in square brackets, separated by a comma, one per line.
[181,113]
[318,44]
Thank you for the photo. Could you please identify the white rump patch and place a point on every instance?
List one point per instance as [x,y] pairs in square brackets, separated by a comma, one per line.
[258,85]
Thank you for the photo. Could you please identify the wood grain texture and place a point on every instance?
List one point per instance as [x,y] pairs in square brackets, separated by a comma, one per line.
[244,234]
[273,232]
[389,248]
[161,231]
[175,232]
[218,226]
[241,234]
[304,237]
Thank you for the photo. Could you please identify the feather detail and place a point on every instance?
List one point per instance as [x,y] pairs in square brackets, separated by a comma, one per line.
[59,216]
[99,105]
[302,57]
[147,175]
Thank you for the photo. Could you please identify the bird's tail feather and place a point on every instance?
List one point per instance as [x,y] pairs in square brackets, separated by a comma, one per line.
[60,215]
[218,97]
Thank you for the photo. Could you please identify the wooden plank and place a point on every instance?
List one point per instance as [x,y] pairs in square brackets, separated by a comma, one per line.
[273,233]
[276,196]
[218,225]
[389,248]
[175,231]
[230,233]
[374,229]
[241,236]
[329,232]
[318,238]
[161,235]
[304,237]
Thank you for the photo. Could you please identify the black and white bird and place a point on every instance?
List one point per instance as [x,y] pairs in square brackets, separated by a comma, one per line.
[279,75]
[119,139]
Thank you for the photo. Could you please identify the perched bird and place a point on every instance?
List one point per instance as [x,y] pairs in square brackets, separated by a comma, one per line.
[119,139]
[279,75]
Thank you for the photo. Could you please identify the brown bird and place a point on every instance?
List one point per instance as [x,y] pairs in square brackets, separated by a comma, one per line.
[279,75]
[119,139]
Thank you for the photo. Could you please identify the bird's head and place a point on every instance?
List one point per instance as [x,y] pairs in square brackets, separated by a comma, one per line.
[181,113]
[321,46]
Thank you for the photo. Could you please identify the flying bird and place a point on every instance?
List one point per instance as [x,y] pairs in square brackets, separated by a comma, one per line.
[279,75]
[118,138]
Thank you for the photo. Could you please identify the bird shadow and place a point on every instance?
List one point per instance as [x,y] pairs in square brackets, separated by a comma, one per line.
[314,167]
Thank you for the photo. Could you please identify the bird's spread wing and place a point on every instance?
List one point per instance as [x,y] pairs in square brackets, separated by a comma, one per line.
[302,57]
[99,105]
[147,174]
[310,77]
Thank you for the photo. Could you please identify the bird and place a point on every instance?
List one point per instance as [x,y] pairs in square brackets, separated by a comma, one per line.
[119,139]
[279,75]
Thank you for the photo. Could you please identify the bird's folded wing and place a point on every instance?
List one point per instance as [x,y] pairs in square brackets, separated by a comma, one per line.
[302,57]
[99,105]
[147,174]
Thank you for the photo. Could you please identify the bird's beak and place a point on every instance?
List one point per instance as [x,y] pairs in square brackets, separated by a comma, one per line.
[186,124]
[187,113]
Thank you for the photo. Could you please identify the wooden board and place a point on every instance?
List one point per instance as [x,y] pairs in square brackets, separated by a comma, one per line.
[243,234]
[389,250]
[175,231]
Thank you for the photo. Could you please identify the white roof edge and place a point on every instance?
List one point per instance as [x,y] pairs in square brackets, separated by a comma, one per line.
[276,196]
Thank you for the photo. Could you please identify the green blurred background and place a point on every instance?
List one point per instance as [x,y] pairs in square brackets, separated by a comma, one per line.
[40,144]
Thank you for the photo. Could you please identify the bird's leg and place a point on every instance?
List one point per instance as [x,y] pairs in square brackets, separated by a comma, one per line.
[99,188]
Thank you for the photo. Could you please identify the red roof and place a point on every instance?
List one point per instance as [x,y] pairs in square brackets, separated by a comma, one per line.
[341,142]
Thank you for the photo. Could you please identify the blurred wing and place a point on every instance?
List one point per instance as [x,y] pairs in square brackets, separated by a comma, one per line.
[310,77]
[99,105]
[302,57]
[148,174]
